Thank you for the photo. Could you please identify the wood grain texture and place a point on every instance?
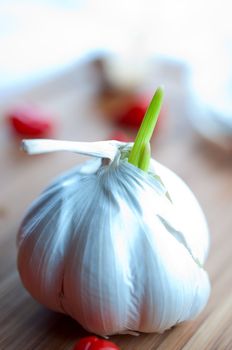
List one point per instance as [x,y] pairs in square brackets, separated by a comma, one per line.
[24,324]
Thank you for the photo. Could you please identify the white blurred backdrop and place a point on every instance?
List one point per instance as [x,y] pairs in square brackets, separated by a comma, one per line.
[41,37]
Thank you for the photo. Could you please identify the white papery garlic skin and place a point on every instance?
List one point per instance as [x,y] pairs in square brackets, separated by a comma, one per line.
[105,245]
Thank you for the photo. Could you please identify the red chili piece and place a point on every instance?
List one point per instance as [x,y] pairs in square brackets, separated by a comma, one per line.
[132,115]
[94,343]
[29,121]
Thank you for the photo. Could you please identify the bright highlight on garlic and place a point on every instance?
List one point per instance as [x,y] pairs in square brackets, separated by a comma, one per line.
[118,243]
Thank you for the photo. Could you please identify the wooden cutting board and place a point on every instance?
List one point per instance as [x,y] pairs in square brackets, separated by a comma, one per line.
[24,324]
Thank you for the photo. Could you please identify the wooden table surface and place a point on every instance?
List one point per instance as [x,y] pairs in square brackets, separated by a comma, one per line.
[24,324]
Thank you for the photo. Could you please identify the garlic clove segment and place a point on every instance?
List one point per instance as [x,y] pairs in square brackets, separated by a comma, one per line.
[193,222]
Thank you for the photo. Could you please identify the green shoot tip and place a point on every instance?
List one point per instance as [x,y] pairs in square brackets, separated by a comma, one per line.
[140,153]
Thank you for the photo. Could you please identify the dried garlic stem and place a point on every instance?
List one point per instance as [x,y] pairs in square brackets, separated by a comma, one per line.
[101,149]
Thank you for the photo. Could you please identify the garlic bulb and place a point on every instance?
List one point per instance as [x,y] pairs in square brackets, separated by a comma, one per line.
[113,246]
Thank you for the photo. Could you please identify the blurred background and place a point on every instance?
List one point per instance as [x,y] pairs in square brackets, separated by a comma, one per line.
[135,46]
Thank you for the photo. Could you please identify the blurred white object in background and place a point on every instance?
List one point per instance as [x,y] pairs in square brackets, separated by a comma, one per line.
[128,69]
[211,93]
[39,38]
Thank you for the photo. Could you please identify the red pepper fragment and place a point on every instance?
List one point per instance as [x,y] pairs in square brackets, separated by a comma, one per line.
[30,122]
[94,343]
[132,115]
